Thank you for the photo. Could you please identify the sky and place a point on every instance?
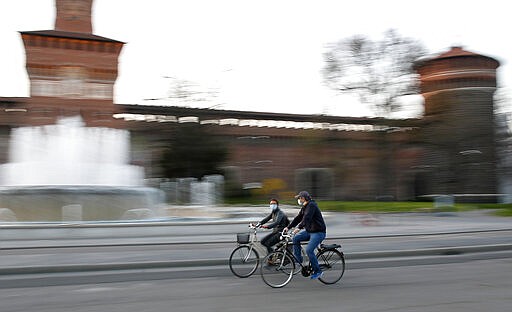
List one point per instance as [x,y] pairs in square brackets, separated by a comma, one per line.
[264,55]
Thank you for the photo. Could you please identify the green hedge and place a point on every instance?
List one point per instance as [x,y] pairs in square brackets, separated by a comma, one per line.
[386,207]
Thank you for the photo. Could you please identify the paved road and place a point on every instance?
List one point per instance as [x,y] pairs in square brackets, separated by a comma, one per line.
[472,286]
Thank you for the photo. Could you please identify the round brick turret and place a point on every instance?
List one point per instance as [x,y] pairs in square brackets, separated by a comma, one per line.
[455,69]
[458,125]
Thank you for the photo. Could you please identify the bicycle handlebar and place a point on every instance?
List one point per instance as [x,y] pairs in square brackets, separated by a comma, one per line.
[254,226]
[286,235]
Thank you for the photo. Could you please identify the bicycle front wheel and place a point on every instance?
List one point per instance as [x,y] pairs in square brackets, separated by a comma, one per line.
[332,264]
[277,269]
[243,261]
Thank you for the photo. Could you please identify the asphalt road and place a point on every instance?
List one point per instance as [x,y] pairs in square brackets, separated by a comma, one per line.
[471,286]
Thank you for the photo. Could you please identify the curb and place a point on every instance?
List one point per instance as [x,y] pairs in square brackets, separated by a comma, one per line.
[439,251]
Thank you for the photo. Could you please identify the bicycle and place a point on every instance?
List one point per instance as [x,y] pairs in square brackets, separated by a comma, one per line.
[280,265]
[244,259]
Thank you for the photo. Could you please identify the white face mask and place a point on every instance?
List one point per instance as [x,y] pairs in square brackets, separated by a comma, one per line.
[299,202]
[273,207]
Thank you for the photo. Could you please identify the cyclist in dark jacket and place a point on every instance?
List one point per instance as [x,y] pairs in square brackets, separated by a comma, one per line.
[311,220]
[279,222]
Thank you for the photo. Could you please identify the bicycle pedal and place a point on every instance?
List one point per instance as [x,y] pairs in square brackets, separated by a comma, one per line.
[305,272]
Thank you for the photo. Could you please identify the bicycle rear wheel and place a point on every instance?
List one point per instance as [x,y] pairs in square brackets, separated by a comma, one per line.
[244,261]
[332,264]
[277,269]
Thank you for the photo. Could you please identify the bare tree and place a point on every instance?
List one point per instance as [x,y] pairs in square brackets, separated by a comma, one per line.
[379,72]
[188,93]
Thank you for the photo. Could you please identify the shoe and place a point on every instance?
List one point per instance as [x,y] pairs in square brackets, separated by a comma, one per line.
[317,275]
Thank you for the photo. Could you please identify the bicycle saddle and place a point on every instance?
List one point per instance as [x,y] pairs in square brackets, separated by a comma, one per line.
[330,246]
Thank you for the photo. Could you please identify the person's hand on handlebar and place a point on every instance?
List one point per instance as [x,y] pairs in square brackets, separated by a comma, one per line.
[295,231]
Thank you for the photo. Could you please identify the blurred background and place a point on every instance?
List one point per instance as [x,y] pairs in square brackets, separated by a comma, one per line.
[433,123]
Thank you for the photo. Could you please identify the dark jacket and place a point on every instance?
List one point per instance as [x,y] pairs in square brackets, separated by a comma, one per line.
[309,218]
[279,220]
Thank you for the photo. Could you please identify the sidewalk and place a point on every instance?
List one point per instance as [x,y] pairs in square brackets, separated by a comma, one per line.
[339,226]
[170,244]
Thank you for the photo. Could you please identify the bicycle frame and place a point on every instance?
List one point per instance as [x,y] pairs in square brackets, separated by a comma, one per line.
[253,242]
[284,248]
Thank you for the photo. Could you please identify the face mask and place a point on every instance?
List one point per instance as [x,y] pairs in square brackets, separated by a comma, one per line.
[273,207]
[299,202]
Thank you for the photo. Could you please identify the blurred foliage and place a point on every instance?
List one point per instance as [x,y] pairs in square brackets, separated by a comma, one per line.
[387,207]
[379,72]
[192,151]
[270,188]
[504,210]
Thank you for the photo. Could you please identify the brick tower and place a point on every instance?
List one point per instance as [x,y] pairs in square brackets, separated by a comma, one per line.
[458,131]
[74,16]
[71,70]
